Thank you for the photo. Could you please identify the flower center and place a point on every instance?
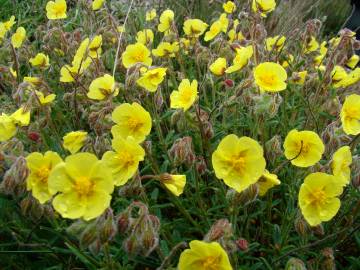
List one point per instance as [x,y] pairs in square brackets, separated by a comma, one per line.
[211,263]
[268,79]
[134,124]
[186,95]
[353,113]
[238,163]
[318,197]
[84,186]
[43,174]
[139,57]
[125,158]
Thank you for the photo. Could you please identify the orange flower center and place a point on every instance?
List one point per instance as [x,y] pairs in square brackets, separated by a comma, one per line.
[125,158]
[353,113]
[139,56]
[186,95]
[318,197]
[134,124]
[238,163]
[211,263]
[268,79]
[84,186]
[43,174]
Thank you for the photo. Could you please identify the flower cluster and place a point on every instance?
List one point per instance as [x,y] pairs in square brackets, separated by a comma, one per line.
[96,111]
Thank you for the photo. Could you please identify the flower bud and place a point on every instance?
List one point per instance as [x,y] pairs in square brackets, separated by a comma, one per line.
[182,151]
[355,168]
[329,260]
[318,230]
[34,136]
[242,244]
[301,226]
[30,207]
[106,226]
[229,83]
[14,182]
[274,148]
[89,235]
[295,264]
[245,197]
[200,165]
[219,229]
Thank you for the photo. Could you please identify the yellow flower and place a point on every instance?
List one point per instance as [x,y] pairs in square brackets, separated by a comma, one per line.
[318,197]
[229,7]
[150,15]
[233,34]
[45,100]
[120,28]
[95,47]
[131,120]
[80,63]
[353,61]
[2,32]
[97,4]
[56,9]
[21,117]
[40,60]
[18,38]
[145,36]
[350,115]
[68,73]
[84,185]
[238,161]
[243,55]
[340,164]
[151,79]
[34,81]
[338,76]
[124,161]
[81,60]
[13,72]
[289,60]
[311,46]
[8,24]
[136,53]
[174,183]
[40,167]
[352,78]
[74,140]
[103,87]
[204,256]
[266,182]
[166,20]
[194,27]
[299,77]
[218,67]
[7,127]
[166,49]
[185,96]
[270,77]
[263,6]
[275,43]
[218,26]
[303,148]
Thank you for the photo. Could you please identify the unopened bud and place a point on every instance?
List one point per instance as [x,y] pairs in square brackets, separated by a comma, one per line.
[229,83]
[295,264]
[30,207]
[242,244]
[106,226]
[182,151]
[34,136]
[274,148]
[200,165]
[218,230]
[301,225]
[14,179]
[245,197]
[89,235]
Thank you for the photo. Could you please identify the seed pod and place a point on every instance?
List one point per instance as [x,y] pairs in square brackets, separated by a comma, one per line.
[219,229]
[274,148]
[301,226]
[182,151]
[106,226]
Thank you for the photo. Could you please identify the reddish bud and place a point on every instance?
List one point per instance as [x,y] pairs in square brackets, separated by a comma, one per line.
[229,83]
[34,136]
[242,244]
